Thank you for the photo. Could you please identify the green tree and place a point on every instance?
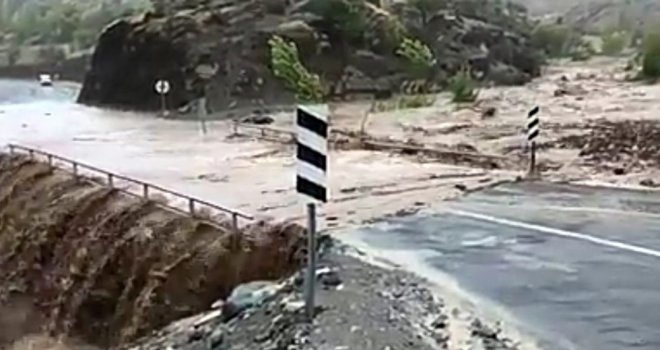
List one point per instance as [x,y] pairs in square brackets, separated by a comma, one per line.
[557,40]
[345,18]
[463,87]
[419,57]
[651,53]
[286,65]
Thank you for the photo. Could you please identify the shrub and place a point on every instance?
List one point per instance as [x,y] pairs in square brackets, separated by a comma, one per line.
[344,17]
[419,57]
[614,42]
[463,87]
[556,40]
[286,65]
[582,52]
[650,59]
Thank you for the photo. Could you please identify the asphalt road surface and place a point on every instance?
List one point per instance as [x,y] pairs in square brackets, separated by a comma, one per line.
[579,267]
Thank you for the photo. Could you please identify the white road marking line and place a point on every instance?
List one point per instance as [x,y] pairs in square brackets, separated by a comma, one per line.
[605,211]
[588,209]
[558,232]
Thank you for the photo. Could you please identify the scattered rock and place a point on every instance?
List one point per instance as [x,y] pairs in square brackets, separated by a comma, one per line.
[330,279]
[648,183]
[258,120]
[610,141]
[489,113]
[440,322]
[461,187]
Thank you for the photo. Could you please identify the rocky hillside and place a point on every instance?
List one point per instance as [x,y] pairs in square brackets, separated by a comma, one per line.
[350,43]
[598,15]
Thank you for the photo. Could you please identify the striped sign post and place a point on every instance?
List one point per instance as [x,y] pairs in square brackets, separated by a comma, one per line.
[533,130]
[312,165]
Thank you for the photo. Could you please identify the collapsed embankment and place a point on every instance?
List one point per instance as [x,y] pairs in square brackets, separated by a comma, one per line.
[94,264]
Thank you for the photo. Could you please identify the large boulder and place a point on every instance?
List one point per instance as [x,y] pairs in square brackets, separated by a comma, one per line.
[351,44]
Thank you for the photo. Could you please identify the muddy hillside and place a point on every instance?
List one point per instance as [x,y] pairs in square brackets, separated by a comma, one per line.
[86,261]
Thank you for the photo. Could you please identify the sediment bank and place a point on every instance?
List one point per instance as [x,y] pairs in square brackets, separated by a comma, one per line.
[88,262]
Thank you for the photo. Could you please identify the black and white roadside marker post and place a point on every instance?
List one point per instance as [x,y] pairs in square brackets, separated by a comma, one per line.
[311,180]
[163,87]
[533,130]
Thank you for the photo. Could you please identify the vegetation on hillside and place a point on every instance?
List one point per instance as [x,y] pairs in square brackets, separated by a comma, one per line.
[286,65]
[650,54]
[77,22]
[614,41]
[556,40]
[463,87]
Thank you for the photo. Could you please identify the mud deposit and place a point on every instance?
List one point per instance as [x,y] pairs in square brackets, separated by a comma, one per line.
[90,263]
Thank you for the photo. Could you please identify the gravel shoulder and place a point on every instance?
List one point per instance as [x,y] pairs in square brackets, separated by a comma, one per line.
[360,306]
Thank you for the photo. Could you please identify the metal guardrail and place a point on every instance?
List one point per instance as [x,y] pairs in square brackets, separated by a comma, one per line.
[146,188]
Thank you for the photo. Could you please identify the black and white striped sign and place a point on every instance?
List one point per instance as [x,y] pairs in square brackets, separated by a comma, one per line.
[312,151]
[533,124]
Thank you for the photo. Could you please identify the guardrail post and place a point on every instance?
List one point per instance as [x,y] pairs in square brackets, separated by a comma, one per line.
[75,169]
[111,180]
[235,127]
[191,206]
[11,149]
[31,152]
[50,160]
[145,191]
[234,222]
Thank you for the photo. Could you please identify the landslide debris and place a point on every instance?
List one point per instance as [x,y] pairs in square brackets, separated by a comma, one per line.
[609,141]
[94,264]
[351,43]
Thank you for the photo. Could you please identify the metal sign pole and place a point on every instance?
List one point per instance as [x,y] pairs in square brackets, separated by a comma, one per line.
[163,105]
[532,159]
[202,113]
[310,280]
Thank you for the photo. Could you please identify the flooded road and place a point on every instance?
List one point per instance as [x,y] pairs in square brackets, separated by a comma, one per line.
[244,173]
[171,153]
[577,266]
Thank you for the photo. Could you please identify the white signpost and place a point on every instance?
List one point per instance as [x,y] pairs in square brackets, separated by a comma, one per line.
[312,162]
[163,88]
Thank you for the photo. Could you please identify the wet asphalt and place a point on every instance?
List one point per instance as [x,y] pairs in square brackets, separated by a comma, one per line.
[578,267]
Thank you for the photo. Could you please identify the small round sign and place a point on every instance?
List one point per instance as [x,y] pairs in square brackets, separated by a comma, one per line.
[162,87]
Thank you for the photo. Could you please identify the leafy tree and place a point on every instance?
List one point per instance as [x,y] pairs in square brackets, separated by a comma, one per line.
[418,56]
[345,18]
[651,53]
[62,21]
[286,65]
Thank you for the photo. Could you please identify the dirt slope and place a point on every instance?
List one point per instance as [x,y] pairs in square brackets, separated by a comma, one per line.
[91,263]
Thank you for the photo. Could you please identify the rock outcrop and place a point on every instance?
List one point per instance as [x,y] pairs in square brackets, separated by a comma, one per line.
[350,43]
[599,15]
